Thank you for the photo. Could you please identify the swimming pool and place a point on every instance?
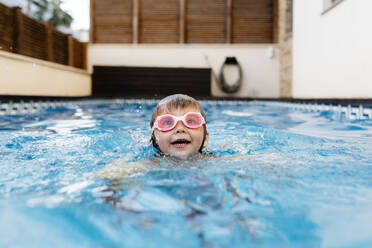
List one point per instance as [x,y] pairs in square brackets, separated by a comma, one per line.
[288,176]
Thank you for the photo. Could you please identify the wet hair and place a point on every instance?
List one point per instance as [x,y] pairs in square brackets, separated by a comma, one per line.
[174,102]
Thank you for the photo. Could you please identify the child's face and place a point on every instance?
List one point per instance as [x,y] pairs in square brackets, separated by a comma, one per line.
[181,141]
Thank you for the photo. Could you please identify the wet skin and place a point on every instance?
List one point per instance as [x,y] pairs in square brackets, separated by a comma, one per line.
[181,141]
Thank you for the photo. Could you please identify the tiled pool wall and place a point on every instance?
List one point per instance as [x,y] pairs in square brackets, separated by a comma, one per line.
[347,111]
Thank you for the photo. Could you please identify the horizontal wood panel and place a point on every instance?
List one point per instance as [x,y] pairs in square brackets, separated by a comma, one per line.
[33,41]
[112,21]
[24,35]
[6,30]
[203,21]
[60,47]
[150,81]
[79,54]
[206,21]
[110,7]
[158,21]
[252,21]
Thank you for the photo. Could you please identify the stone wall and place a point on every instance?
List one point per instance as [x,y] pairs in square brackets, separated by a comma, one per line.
[285,46]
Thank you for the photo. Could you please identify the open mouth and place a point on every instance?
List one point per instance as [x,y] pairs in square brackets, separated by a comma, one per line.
[181,142]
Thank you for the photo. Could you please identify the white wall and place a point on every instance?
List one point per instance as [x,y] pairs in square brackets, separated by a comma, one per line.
[21,75]
[260,69]
[332,52]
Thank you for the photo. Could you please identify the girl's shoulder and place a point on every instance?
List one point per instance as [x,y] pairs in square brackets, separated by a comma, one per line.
[121,168]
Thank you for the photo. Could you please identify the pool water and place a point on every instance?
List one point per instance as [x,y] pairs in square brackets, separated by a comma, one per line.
[281,178]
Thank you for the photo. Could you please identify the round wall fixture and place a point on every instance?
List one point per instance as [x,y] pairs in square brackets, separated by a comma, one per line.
[230,88]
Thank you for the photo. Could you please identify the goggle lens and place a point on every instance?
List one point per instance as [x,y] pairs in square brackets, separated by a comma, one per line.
[192,120]
[168,122]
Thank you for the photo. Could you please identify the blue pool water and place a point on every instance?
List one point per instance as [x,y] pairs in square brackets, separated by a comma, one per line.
[284,178]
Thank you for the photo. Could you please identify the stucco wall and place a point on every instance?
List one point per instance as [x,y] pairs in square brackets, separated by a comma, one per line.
[21,75]
[260,63]
[332,51]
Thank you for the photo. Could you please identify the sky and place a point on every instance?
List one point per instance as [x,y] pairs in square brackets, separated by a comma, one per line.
[79,10]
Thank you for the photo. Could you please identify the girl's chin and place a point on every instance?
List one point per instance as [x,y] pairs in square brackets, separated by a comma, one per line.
[182,154]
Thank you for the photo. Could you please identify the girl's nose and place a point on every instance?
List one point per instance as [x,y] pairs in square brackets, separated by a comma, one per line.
[179,127]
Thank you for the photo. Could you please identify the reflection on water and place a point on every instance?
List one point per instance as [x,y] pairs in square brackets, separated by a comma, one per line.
[75,176]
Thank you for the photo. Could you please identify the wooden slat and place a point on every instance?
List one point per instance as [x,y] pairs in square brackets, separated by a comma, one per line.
[6,28]
[228,21]
[60,47]
[182,21]
[252,21]
[32,38]
[206,21]
[92,9]
[275,38]
[49,41]
[159,21]
[112,21]
[70,49]
[24,35]
[135,18]
[78,54]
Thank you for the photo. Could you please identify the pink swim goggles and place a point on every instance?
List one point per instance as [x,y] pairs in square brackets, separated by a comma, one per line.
[167,122]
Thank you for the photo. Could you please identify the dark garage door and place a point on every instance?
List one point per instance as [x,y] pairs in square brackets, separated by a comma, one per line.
[123,81]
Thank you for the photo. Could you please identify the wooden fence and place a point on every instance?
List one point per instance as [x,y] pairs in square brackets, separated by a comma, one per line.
[184,21]
[26,36]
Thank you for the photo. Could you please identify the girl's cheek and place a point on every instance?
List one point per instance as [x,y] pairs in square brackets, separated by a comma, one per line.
[161,137]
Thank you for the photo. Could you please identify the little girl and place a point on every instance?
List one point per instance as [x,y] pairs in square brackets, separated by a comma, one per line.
[179,133]
[179,127]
